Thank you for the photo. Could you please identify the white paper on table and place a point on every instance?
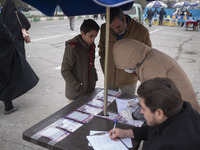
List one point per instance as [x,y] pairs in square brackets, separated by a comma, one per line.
[92,132]
[96,102]
[124,104]
[110,92]
[104,142]
[90,109]
[127,142]
[68,124]
[52,133]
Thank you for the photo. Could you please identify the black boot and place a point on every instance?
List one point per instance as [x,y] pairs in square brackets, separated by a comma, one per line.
[9,108]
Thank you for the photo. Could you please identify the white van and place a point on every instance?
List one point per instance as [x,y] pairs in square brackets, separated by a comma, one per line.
[135,12]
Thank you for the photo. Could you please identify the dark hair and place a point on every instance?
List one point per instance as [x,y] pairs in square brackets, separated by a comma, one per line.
[116,12]
[89,25]
[161,93]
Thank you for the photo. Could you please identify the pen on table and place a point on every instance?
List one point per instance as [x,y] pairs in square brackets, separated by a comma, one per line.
[113,132]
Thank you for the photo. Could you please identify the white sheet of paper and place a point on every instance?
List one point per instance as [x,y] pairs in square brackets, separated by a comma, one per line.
[54,133]
[104,142]
[68,124]
[49,132]
[127,141]
[92,132]
[89,109]
[122,104]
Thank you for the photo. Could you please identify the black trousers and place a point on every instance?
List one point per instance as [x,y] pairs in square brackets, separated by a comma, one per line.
[8,105]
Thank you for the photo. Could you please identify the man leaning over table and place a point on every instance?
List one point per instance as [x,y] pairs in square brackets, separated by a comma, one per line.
[121,27]
[172,124]
[148,63]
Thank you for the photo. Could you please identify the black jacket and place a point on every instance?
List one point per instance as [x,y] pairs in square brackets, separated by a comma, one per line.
[162,13]
[180,132]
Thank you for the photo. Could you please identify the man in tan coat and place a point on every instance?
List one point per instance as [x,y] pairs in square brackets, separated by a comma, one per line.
[121,27]
[148,63]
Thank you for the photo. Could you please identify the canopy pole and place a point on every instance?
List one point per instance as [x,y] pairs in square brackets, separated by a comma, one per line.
[106,60]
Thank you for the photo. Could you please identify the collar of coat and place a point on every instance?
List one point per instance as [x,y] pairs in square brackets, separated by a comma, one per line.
[185,109]
[78,40]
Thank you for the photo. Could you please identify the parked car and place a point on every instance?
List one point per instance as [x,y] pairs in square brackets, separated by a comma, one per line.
[135,12]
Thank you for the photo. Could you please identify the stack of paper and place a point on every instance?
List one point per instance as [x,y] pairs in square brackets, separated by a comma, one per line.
[104,142]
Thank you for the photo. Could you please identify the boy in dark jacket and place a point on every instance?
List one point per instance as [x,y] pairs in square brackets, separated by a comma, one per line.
[78,68]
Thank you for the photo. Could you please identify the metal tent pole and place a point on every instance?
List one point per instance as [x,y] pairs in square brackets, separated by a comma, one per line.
[106,61]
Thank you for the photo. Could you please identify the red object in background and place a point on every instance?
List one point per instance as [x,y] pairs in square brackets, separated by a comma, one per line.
[191,22]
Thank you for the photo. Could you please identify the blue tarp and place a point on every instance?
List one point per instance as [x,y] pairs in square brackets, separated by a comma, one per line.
[77,7]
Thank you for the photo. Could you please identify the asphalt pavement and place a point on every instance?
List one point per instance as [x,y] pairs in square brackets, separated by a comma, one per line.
[45,54]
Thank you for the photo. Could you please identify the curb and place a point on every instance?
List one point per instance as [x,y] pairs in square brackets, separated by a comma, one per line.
[46,18]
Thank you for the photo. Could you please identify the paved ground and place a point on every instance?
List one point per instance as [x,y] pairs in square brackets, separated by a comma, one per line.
[45,56]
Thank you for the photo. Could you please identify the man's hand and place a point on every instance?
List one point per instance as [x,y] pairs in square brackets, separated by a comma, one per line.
[121,133]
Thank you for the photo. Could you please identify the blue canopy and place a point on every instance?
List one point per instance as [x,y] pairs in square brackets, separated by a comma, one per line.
[197,4]
[78,7]
[180,4]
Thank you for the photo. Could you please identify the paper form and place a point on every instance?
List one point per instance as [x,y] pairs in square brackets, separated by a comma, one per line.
[96,103]
[127,104]
[90,109]
[126,141]
[54,133]
[69,125]
[104,142]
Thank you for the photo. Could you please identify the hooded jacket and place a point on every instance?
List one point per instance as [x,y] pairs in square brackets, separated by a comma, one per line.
[78,69]
[10,19]
[150,63]
[116,76]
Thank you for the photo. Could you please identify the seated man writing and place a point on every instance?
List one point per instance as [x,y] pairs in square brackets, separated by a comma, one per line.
[171,122]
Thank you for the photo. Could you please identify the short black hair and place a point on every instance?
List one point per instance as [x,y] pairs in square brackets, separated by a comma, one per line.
[89,25]
[161,93]
[116,12]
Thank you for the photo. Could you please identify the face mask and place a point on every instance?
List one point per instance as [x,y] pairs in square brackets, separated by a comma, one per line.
[129,70]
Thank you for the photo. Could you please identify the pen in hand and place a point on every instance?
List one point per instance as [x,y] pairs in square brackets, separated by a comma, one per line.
[113,132]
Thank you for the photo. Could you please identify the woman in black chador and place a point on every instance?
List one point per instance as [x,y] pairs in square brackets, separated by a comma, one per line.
[16,75]
[10,19]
